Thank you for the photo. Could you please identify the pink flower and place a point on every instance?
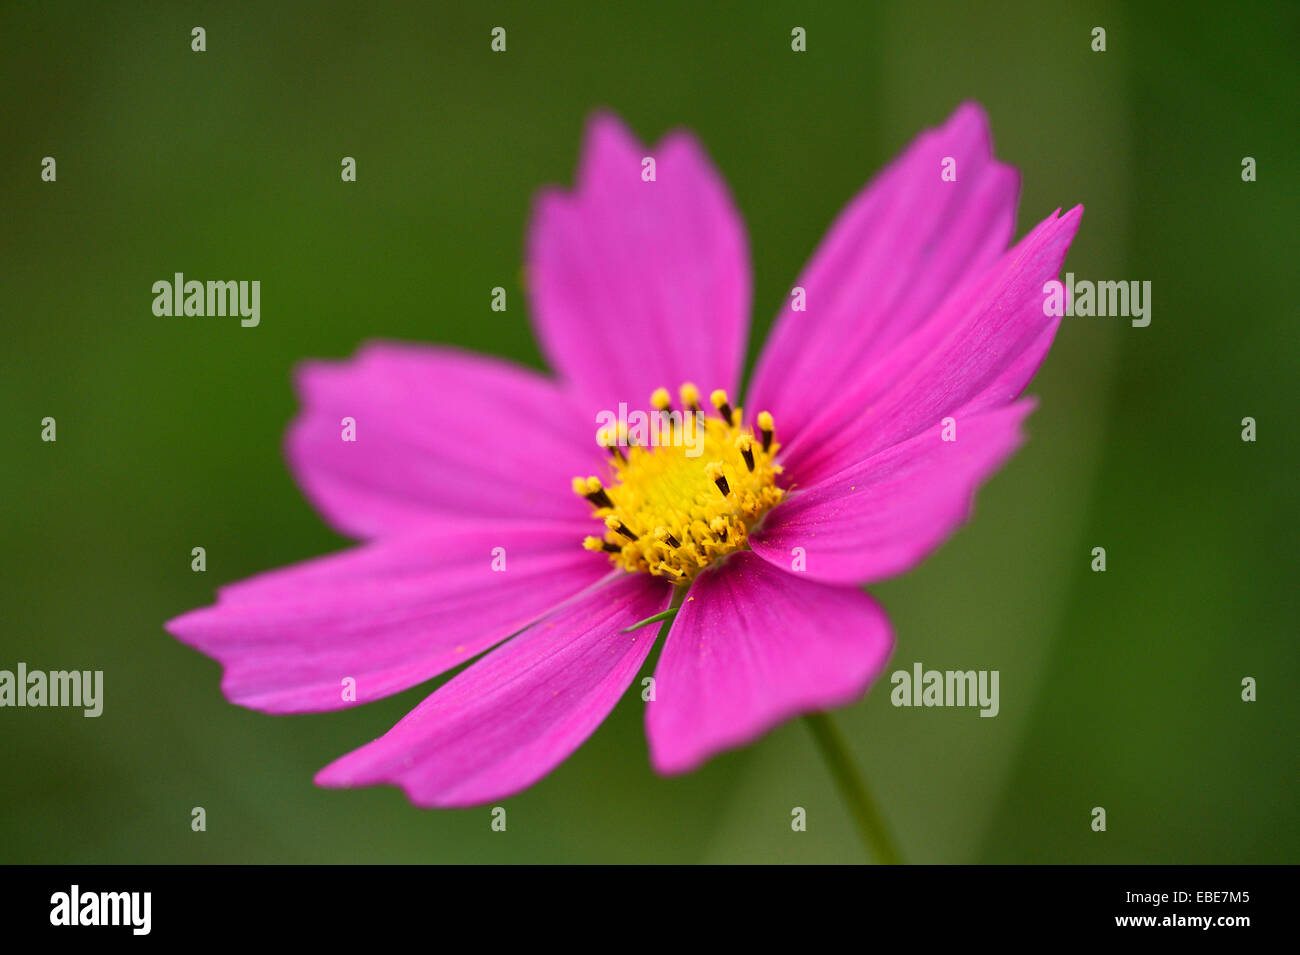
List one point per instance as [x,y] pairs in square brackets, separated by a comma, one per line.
[462,473]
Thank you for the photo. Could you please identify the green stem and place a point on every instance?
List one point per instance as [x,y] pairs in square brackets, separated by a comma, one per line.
[679,595]
[853,789]
[666,615]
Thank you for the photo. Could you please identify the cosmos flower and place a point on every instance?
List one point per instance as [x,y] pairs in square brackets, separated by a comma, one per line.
[888,391]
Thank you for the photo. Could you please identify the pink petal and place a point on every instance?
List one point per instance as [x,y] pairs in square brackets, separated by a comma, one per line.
[389,614]
[889,260]
[751,647]
[1011,382]
[438,432]
[884,515]
[983,344]
[516,714]
[637,285]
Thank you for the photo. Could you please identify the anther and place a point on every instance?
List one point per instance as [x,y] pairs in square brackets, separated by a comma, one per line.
[666,536]
[614,450]
[592,491]
[713,471]
[595,543]
[668,569]
[719,399]
[719,526]
[691,397]
[608,440]
[663,404]
[765,428]
[614,524]
[745,445]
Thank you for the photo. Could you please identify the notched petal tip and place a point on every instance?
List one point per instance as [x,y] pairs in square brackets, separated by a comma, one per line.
[972,111]
[608,146]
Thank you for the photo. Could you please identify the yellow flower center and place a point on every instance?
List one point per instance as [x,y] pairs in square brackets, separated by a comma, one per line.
[684,488]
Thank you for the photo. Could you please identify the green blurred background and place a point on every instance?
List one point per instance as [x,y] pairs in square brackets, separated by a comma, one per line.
[1119,689]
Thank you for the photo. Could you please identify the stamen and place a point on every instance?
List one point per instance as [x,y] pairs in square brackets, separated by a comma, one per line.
[618,527]
[719,399]
[665,535]
[595,543]
[591,489]
[691,397]
[766,428]
[713,470]
[663,404]
[745,445]
[607,438]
